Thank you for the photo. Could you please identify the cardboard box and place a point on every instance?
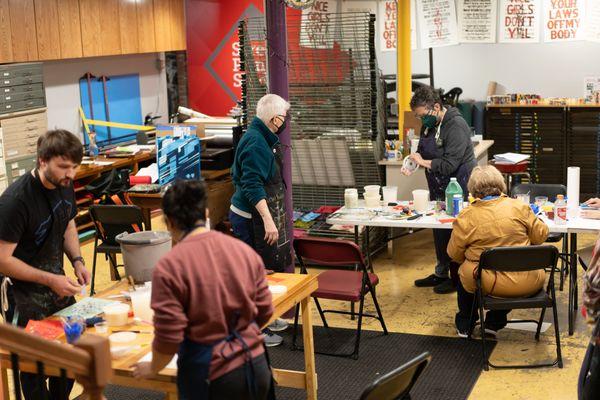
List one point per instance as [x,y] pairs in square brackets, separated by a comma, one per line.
[412,122]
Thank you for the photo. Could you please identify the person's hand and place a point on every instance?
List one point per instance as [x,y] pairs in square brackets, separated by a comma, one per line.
[143,370]
[590,214]
[406,172]
[595,202]
[63,286]
[416,157]
[271,232]
[82,274]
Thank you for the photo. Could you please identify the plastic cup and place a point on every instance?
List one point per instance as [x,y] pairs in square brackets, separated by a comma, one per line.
[523,197]
[372,200]
[140,301]
[541,200]
[390,194]
[372,189]
[421,200]
[101,327]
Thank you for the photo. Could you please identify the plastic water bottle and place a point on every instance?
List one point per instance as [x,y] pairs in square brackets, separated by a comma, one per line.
[93,148]
[452,189]
[560,210]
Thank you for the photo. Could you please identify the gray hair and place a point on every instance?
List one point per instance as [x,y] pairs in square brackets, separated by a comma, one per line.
[271,105]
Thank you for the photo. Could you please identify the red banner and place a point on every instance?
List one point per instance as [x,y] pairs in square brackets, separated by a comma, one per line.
[213,53]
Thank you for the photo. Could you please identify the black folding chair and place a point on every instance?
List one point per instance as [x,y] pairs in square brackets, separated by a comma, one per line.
[585,257]
[550,191]
[520,259]
[109,221]
[396,385]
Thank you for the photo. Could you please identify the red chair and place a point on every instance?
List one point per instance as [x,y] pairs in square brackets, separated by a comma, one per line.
[338,284]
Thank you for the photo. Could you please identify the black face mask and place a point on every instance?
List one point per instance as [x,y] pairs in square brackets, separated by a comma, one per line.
[282,127]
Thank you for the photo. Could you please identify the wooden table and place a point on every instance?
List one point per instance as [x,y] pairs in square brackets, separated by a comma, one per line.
[300,287]
[219,187]
[87,170]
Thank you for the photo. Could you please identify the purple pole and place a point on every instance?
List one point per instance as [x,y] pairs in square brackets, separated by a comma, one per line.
[278,84]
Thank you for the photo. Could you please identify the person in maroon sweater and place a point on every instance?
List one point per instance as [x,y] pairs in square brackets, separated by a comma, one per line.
[210,297]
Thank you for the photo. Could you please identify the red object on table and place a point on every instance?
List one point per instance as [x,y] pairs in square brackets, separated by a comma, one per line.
[49,329]
[136,180]
[511,168]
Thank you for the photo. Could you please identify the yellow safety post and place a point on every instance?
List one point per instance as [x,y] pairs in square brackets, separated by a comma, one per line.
[404,74]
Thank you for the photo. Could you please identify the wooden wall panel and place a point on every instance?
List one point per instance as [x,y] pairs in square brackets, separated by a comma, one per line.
[6,53]
[69,29]
[145,20]
[23,31]
[46,25]
[128,24]
[162,24]
[111,30]
[177,25]
[91,28]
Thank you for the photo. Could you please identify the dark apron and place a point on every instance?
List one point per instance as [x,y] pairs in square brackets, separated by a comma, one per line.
[32,300]
[430,149]
[277,256]
[193,366]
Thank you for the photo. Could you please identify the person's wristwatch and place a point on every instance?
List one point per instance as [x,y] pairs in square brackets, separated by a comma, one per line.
[78,258]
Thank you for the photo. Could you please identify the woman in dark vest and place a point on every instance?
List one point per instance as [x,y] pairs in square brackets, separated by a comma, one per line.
[445,151]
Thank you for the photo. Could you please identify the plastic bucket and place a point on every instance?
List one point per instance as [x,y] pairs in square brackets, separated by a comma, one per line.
[141,251]
[390,194]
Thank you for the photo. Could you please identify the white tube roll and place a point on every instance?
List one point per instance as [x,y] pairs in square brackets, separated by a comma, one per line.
[573,188]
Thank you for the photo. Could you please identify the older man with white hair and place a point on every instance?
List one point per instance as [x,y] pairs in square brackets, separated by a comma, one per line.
[257,211]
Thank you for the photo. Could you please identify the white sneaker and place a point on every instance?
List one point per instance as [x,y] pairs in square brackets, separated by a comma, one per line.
[278,325]
[271,339]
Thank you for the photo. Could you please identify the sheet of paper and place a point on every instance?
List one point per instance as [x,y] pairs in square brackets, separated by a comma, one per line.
[86,308]
[171,365]
[151,171]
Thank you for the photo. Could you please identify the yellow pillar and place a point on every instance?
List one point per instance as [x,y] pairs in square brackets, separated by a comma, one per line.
[403,76]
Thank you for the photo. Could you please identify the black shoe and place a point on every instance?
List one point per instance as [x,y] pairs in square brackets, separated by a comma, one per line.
[445,287]
[431,281]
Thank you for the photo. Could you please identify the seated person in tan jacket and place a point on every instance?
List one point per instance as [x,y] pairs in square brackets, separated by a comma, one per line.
[492,220]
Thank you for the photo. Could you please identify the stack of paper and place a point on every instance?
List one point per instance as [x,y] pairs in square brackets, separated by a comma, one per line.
[510,158]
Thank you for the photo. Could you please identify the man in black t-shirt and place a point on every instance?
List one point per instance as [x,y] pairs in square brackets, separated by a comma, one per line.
[37,227]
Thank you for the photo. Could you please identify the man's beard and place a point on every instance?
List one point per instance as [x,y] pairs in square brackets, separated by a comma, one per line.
[65,183]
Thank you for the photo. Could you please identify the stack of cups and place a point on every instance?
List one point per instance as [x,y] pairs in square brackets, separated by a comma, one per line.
[372,196]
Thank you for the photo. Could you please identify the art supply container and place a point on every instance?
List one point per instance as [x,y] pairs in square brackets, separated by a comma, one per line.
[141,251]
[101,327]
[457,204]
[390,194]
[541,200]
[116,314]
[74,328]
[140,301]
[421,200]
[452,189]
[372,189]
[372,200]
[351,198]
[524,197]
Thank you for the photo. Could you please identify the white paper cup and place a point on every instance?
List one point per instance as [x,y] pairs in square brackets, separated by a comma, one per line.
[421,200]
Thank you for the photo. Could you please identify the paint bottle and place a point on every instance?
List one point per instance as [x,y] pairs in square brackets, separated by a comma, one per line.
[560,210]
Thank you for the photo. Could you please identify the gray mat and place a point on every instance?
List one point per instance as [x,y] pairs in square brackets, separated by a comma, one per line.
[451,375]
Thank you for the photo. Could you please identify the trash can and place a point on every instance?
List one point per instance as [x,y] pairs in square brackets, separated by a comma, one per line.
[141,251]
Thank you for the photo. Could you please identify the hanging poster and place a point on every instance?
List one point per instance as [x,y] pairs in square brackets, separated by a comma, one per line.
[413,24]
[477,21]
[318,28]
[437,23]
[563,20]
[349,6]
[519,21]
[592,21]
[388,17]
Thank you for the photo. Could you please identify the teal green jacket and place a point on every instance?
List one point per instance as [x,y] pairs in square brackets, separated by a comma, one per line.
[253,165]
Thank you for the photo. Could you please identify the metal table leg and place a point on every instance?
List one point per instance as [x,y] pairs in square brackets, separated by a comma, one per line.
[572,283]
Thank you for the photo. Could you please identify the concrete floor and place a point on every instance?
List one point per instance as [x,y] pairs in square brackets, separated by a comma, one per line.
[420,311]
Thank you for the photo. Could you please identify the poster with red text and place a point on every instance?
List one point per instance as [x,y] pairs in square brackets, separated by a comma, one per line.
[318,25]
[437,23]
[520,21]
[388,17]
[563,20]
[592,22]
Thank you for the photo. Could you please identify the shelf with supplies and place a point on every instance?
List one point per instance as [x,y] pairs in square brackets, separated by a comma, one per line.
[555,137]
